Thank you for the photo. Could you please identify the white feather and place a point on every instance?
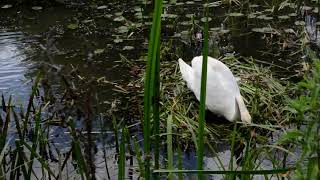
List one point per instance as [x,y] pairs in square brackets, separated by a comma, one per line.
[223,95]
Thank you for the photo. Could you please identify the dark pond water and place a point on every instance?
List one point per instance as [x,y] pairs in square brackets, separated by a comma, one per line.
[100,41]
[105,34]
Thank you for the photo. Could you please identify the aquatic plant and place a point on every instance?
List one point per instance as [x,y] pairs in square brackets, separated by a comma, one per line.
[305,137]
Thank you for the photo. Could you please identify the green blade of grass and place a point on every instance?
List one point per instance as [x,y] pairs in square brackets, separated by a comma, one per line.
[255,172]
[43,162]
[17,120]
[138,156]
[202,100]
[76,149]
[3,105]
[233,140]
[20,159]
[156,118]
[30,103]
[169,146]
[2,156]
[151,78]
[34,141]
[5,126]
[180,177]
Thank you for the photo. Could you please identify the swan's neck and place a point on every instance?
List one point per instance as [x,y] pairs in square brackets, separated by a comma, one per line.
[244,113]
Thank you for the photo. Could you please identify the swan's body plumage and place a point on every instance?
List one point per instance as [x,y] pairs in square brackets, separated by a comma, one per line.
[223,95]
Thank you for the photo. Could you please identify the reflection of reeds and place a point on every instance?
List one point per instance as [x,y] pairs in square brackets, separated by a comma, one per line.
[89,144]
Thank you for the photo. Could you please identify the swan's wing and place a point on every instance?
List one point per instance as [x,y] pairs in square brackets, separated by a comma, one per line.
[222,87]
[187,73]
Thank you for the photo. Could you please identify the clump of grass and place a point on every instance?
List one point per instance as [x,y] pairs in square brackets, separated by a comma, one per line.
[265,94]
[31,155]
[305,137]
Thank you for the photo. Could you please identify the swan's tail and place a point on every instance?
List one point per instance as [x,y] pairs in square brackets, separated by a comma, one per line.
[187,72]
[244,113]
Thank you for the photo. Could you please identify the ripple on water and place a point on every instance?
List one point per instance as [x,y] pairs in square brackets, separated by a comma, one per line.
[13,65]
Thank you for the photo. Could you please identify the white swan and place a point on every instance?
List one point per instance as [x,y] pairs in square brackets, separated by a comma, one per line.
[223,95]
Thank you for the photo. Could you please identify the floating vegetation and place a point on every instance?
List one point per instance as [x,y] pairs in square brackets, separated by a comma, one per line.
[205,19]
[7,6]
[190,2]
[252,16]
[170,16]
[264,17]
[253,6]
[37,8]
[224,31]
[73,26]
[118,40]
[185,23]
[189,15]
[235,14]
[122,29]
[128,48]
[138,15]
[306,8]
[119,19]
[215,29]
[268,30]
[293,14]
[102,7]
[300,23]
[118,13]
[213,4]
[284,17]
[99,51]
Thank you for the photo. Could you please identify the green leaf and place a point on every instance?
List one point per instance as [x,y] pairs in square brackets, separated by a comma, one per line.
[292,135]
[73,26]
[98,51]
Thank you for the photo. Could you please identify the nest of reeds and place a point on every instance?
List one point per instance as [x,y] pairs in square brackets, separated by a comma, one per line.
[265,96]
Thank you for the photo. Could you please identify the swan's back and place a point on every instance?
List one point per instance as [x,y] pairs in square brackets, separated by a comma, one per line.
[222,87]
[217,72]
[223,94]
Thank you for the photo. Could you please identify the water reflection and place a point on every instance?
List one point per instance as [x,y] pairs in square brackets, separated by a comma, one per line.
[13,65]
[312,30]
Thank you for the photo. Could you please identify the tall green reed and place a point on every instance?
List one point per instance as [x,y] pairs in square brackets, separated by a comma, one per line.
[200,142]
[169,146]
[30,103]
[76,150]
[151,88]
